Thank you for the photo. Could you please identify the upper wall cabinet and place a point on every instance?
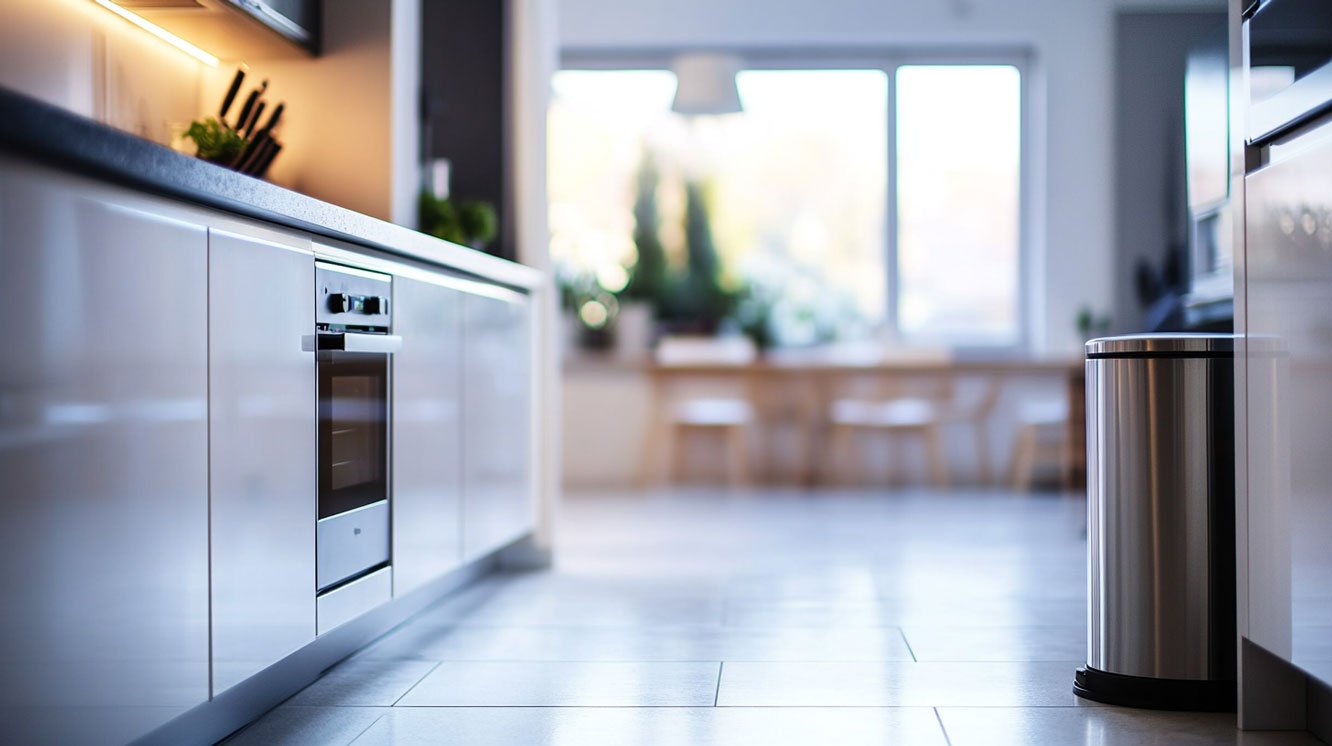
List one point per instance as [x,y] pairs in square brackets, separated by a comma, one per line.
[497,421]
[103,461]
[427,432]
[239,29]
[263,447]
[294,20]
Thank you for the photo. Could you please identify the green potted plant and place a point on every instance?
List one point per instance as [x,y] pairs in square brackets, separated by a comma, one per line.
[474,223]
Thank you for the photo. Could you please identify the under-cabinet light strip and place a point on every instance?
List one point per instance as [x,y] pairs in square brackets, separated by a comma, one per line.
[160,33]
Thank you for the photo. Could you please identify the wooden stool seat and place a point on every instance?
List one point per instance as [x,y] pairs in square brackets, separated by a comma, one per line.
[905,416]
[713,413]
[899,413]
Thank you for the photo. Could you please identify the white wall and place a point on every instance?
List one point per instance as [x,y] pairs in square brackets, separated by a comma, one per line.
[533,58]
[350,130]
[78,56]
[1070,81]
[405,111]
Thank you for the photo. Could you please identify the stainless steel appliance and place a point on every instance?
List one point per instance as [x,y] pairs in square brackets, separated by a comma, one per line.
[352,324]
[1289,64]
[1161,522]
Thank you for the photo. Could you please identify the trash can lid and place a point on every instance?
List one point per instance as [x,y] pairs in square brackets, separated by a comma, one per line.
[1163,345]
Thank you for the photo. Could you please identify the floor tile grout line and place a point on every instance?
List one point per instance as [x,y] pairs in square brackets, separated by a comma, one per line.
[716,695]
[907,642]
[418,683]
[366,729]
[947,740]
[1108,708]
[1095,707]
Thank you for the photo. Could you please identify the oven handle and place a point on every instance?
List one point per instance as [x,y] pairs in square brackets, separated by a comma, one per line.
[352,342]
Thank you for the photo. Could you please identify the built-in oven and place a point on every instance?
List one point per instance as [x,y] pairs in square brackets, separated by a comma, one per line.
[1289,48]
[354,346]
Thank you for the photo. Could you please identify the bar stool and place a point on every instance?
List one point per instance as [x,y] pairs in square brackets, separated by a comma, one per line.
[728,420]
[897,409]
[1042,441]
[724,412]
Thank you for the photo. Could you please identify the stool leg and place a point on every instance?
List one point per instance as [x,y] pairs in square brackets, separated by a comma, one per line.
[938,462]
[840,460]
[653,468]
[897,465]
[983,470]
[671,455]
[1024,459]
[738,447]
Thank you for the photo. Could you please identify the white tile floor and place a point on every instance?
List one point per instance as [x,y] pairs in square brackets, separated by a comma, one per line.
[771,617]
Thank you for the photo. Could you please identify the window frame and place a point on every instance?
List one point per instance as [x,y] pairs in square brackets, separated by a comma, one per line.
[888,61]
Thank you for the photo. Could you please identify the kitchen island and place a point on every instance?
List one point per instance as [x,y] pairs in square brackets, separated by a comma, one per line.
[165,440]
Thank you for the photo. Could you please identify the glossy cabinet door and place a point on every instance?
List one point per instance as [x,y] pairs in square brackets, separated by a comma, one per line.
[427,437]
[1289,400]
[103,461]
[263,451]
[497,417]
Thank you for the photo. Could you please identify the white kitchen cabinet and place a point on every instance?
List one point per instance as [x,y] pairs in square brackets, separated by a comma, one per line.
[427,437]
[103,460]
[1288,279]
[263,449]
[497,420]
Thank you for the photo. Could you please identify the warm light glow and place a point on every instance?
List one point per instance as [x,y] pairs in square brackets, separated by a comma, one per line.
[594,314]
[160,33]
[612,277]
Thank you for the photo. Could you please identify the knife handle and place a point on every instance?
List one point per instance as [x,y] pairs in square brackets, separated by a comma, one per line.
[245,110]
[254,119]
[231,94]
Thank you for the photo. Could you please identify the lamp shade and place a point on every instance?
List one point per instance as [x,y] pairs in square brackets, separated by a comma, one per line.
[705,84]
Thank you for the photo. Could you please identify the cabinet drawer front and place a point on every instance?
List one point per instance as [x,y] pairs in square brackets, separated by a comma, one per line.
[351,541]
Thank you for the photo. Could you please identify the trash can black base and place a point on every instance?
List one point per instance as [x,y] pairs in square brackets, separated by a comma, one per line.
[1154,694]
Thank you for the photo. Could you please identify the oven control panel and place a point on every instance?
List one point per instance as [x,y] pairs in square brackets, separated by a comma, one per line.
[352,298]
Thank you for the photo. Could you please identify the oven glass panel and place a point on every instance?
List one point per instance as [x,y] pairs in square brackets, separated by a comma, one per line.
[353,414]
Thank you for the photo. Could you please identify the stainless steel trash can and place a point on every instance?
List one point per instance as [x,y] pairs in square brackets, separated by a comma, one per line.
[1160,522]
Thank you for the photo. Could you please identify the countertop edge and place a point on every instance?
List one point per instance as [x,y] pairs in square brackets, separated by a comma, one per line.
[40,131]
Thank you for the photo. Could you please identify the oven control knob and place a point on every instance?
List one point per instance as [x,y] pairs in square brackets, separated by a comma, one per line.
[375,305]
[339,302]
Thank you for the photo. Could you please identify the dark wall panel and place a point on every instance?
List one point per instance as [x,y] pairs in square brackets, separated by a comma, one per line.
[463,54]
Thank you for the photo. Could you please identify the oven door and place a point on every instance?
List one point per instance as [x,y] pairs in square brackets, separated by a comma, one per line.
[353,529]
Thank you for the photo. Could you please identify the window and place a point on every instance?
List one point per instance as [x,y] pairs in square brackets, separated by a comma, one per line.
[958,143]
[797,192]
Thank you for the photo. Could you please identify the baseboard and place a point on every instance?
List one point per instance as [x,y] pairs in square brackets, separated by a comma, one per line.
[525,554]
[1277,695]
[245,702]
[1318,709]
